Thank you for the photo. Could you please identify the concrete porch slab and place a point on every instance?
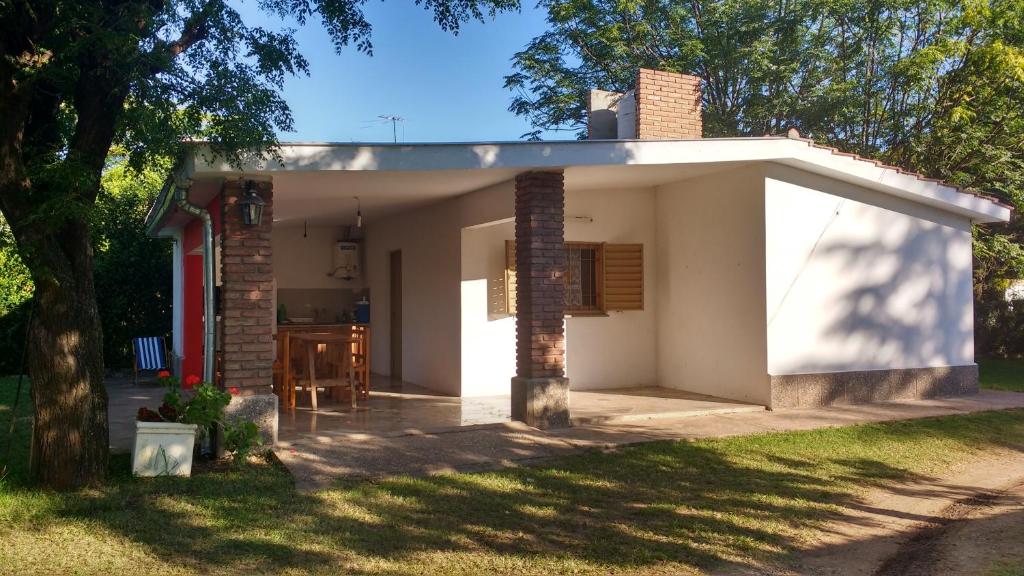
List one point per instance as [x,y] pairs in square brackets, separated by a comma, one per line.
[318,463]
[617,405]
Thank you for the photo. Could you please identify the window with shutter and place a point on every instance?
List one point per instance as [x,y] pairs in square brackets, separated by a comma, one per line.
[624,276]
[598,277]
[583,278]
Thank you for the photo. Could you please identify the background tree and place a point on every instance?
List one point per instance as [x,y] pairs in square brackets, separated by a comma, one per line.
[77,77]
[132,271]
[933,86]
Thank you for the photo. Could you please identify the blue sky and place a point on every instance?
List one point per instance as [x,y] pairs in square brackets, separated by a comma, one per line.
[448,88]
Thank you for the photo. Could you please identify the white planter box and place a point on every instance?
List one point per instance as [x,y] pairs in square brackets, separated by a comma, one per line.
[163,449]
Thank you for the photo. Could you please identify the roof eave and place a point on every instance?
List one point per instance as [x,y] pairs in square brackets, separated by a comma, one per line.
[550,155]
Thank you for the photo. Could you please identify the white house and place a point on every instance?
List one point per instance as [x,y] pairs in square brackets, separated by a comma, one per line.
[767,270]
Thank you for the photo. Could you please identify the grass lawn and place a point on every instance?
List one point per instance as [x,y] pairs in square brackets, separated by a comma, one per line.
[658,508]
[1000,374]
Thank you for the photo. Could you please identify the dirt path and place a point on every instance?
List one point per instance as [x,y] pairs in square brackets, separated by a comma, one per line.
[960,525]
[968,538]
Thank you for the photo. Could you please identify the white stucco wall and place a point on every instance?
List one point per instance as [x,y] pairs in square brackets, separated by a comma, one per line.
[304,261]
[710,285]
[488,331]
[430,241]
[858,280]
[618,350]
[613,351]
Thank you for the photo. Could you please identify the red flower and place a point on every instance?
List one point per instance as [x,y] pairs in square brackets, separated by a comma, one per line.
[163,374]
[191,381]
[233,390]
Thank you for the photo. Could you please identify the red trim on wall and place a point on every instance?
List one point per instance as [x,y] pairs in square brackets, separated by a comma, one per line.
[192,319]
[192,238]
[192,283]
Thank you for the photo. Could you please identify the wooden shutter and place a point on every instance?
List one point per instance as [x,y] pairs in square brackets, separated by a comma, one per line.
[510,277]
[624,276]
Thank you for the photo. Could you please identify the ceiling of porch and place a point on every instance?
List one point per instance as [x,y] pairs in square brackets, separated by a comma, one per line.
[328,198]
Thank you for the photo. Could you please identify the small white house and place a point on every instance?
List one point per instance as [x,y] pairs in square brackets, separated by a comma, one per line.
[767,270]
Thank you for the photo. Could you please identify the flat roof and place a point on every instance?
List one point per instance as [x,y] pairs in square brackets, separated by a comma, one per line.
[521,156]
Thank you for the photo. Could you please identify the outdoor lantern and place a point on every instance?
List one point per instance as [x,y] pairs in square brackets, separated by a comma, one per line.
[252,205]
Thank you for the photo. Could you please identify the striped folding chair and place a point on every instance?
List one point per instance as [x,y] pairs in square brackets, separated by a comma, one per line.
[149,354]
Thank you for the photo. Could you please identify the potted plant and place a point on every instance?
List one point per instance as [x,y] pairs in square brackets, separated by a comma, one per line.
[165,439]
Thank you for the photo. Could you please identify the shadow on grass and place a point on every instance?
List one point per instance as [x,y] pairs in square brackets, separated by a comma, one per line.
[14,466]
[675,505]
[694,504]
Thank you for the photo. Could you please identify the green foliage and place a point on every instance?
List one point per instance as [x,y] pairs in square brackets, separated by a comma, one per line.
[240,439]
[935,87]
[132,271]
[15,297]
[855,73]
[206,406]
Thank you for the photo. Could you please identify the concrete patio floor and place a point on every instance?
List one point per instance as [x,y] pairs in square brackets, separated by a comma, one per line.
[398,408]
[317,461]
[430,434]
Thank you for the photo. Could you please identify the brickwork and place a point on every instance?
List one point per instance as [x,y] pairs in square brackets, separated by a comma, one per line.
[668,106]
[540,262]
[247,294]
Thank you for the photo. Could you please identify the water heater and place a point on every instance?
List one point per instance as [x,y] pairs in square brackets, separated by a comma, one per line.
[345,261]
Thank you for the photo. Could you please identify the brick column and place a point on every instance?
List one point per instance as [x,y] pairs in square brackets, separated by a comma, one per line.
[540,391]
[247,294]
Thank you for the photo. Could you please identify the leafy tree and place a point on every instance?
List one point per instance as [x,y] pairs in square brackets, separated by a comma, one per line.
[932,86]
[132,271]
[78,77]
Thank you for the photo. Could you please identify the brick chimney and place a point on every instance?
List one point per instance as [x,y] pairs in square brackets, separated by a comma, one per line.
[663,106]
[668,106]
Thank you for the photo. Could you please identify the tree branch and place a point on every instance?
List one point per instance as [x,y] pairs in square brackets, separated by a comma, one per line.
[196,30]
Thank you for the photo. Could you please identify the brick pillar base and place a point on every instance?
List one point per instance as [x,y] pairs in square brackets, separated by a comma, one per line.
[540,391]
[247,309]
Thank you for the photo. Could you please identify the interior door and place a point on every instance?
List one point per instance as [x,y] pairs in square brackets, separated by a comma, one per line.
[396,314]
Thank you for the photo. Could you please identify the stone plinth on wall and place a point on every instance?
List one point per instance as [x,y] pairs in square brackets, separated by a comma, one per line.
[864,386]
[540,391]
[247,294]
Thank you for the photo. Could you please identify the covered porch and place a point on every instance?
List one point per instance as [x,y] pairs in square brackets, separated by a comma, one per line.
[488,288]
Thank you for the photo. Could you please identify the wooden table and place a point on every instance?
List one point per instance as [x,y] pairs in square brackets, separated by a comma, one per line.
[283,384]
[311,340]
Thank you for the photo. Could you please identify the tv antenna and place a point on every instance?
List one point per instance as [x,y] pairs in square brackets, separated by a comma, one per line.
[394,119]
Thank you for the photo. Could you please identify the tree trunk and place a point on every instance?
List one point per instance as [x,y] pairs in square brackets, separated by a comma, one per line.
[69,434]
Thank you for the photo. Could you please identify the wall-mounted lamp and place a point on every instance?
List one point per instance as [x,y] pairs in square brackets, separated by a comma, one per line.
[251,205]
[359,212]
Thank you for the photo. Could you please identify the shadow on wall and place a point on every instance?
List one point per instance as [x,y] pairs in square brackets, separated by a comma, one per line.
[902,300]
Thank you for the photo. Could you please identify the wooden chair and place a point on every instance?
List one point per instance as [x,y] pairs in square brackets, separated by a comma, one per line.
[336,365]
[361,359]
